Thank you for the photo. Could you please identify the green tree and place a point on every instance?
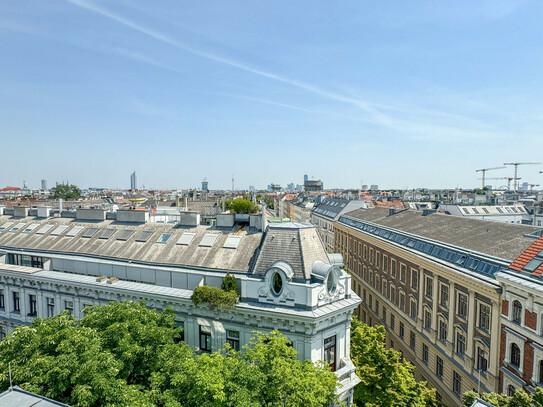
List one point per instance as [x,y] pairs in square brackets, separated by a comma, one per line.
[215,297]
[385,379]
[242,206]
[229,283]
[521,398]
[66,192]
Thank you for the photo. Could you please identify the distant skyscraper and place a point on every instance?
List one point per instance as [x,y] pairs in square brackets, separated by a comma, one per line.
[44,184]
[252,188]
[133,181]
[305,178]
[205,185]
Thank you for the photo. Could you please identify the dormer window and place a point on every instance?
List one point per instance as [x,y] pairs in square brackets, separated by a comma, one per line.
[277,283]
[331,282]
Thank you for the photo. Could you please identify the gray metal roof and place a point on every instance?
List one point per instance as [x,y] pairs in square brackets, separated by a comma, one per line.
[502,240]
[148,252]
[17,397]
[296,243]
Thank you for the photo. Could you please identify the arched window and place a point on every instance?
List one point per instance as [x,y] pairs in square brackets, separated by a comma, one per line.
[541,371]
[517,311]
[510,390]
[515,355]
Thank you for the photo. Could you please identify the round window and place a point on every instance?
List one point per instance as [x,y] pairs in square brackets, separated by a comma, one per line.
[331,283]
[277,283]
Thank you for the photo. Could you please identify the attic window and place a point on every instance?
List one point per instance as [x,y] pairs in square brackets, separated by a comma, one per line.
[186,238]
[232,242]
[31,227]
[125,234]
[75,230]
[5,226]
[164,238]
[144,236]
[90,232]
[59,230]
[44,229]
[106,233]
[533,265]
[208,239]
[17,227]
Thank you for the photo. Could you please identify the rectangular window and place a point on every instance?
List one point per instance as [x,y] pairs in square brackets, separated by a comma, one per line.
[232,338]
[393,268]
[402,301]
[457,384]
[413,311]
[377,259]
[371,301]
[384,315]
[69,305]
[403,272]
[365,252]
[393,295]
[462,305]
[484,317]
[2,300]
[444,295]
[425,353]
[482,360]
[371,256]
[427,319]
[33,305]
[392,322]
[330,352]
[442,331]
[385,263]
[384,288]
[50,307]
[439,367]
[402,330]
[16,302]
[414,279]
[460,344]
[429,287]
[377,307]
[205,338]
[412,340]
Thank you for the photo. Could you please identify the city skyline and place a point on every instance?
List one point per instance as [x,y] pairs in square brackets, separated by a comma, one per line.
[270,93]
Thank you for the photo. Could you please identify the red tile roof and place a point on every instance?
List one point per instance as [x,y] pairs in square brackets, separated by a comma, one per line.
[532,251]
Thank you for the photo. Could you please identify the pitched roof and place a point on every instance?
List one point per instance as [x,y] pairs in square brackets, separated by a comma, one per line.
[535,249]
[21,398]
[503,240]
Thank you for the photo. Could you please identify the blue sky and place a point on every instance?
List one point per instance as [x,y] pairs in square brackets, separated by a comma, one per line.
[395,93]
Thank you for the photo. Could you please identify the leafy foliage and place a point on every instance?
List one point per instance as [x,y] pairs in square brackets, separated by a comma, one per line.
[215,297]
[123,354]
[520,399]
[385,379]
[241,206]
[229,283]
[66,192]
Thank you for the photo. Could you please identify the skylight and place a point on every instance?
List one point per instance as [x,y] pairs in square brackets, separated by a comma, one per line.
[208,240]
[125,234]
[17,227]
[232,242]
[164,238]
[31,227]
[44,229]
[59,230]
[144,236]
[186,238]
[75,230]
[90,232]
[106,233]
[5,226]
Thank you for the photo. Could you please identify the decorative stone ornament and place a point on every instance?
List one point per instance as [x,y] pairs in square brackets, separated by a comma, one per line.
[275,288]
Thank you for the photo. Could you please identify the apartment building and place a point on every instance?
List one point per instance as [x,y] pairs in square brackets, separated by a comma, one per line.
[287,280]
[327,212]
[521,352]
[429,279]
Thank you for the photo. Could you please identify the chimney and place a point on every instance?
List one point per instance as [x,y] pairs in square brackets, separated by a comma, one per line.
[60,205]
[186,203]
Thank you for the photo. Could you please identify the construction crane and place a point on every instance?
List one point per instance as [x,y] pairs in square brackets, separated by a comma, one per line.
[509,179]
[516,168]
[484,170]
[532,186]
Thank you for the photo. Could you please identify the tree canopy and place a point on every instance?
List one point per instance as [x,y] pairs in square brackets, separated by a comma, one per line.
[124,354]
[64,191]
[385,379]
[519,399]
[241,206]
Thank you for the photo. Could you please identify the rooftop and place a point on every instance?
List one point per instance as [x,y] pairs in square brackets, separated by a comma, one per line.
[18,397]
[502,240]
